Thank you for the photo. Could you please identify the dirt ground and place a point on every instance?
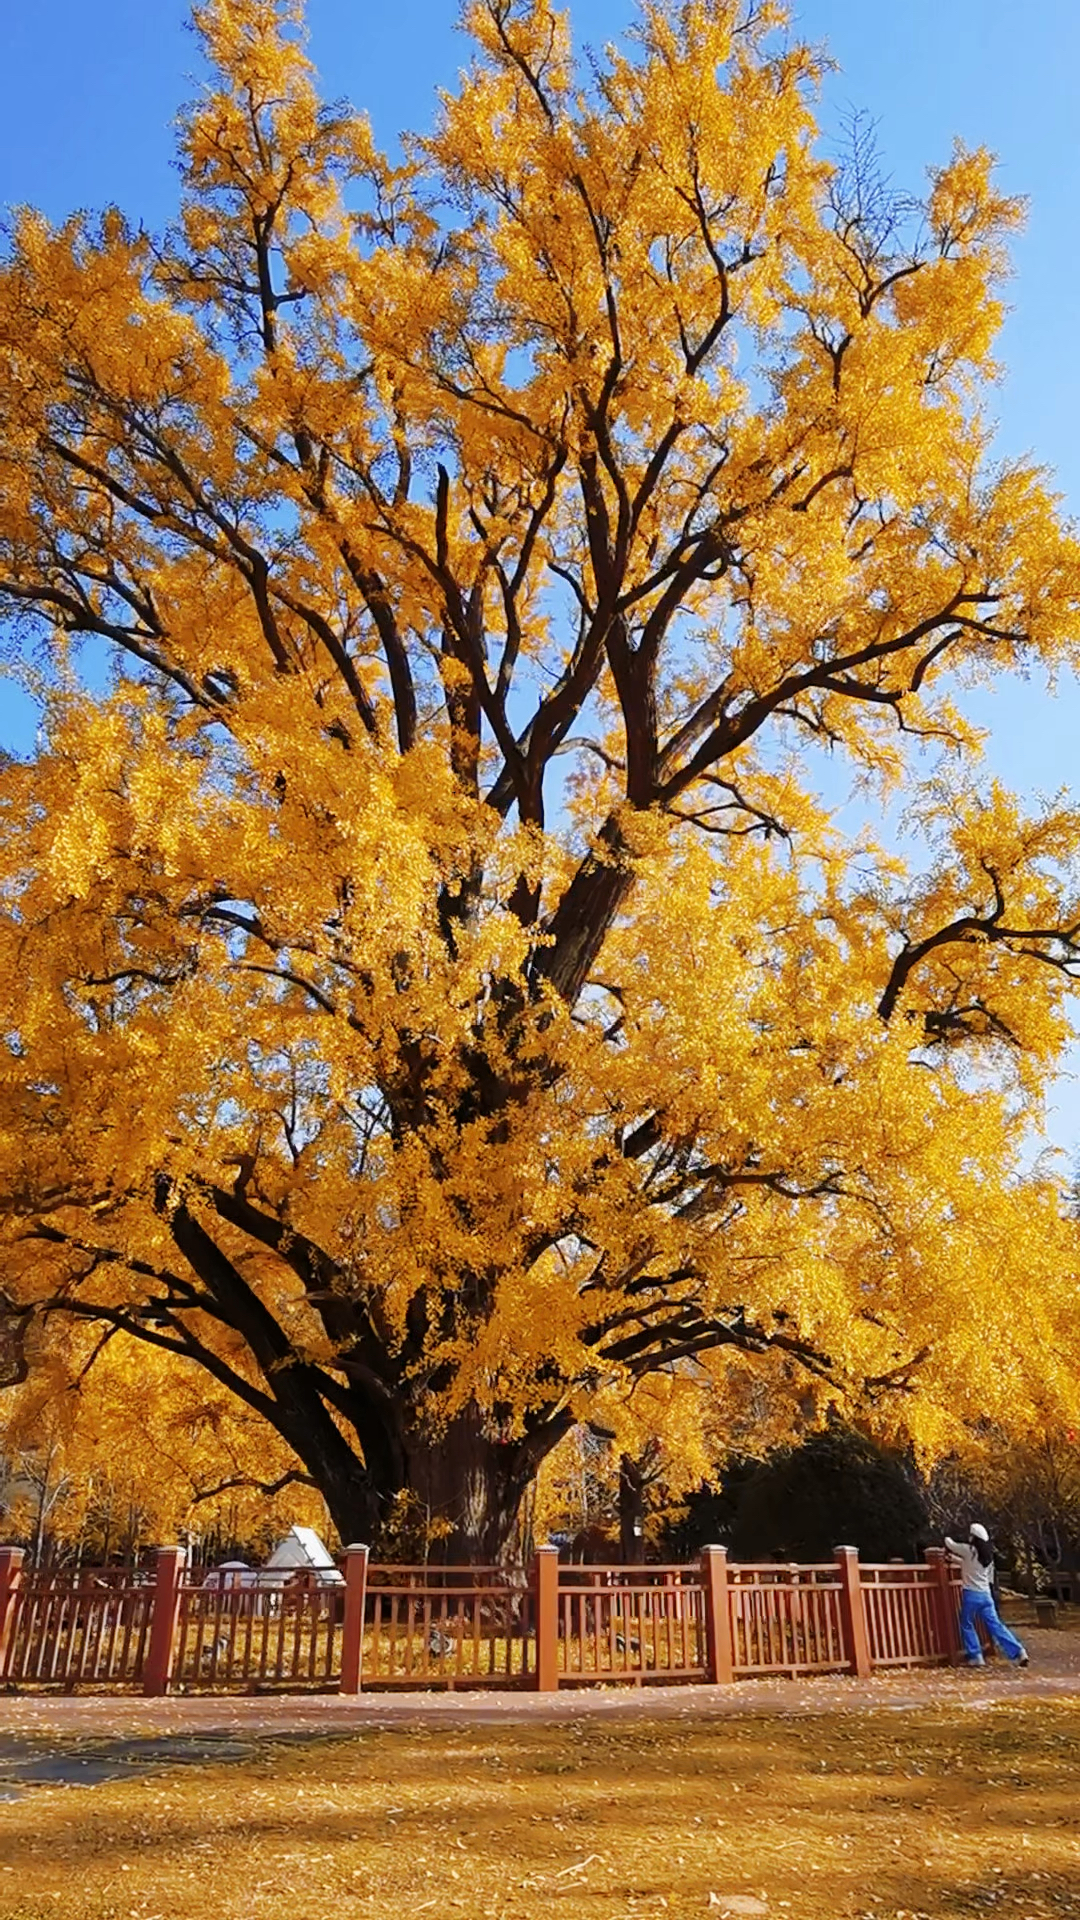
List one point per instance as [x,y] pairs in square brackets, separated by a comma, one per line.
[932,1814]
[918,1797]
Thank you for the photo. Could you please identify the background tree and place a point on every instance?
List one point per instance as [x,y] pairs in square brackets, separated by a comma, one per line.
[434,1002]
[1026,1490]
[106,1449]
[836,1488]
[800,1502]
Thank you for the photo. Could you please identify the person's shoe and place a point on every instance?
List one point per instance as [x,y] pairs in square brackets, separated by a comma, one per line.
[969,1662]
[1022,1659]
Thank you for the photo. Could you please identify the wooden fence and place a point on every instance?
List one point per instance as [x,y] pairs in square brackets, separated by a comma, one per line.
[448,1627]
[787,1620]
[256,1637]
[908,1612]
[88,1630]
[631,1624]
[443,1627]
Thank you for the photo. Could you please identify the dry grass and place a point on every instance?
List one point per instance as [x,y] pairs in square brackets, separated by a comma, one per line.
[941,1813]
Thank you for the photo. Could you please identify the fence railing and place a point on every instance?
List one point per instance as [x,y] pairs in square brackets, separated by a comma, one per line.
[787,1620]
[249,1637]
[903,1619]
[472,1627]
[63,1633]
[631,1624]
[448,1627]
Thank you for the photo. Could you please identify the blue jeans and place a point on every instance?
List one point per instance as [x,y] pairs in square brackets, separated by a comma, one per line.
[980,1607]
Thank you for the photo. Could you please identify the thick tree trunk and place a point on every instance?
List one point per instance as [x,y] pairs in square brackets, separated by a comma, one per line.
[464,1493]
[468,1489]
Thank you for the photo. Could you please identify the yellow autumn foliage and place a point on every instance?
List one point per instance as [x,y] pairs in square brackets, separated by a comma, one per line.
[436,1002]
[110,1450]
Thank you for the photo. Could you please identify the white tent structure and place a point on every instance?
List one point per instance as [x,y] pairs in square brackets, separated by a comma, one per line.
[230,1575]
[301,1551]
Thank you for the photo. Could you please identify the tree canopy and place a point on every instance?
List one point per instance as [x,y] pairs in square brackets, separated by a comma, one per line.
[436,1002]
[107,1450]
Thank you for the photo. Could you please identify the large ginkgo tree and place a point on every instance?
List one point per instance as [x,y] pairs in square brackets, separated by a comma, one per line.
[434,1000]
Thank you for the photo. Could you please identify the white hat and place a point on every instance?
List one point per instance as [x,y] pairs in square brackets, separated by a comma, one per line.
[977,1532]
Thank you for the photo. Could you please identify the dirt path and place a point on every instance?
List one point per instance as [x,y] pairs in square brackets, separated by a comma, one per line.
[36,1726]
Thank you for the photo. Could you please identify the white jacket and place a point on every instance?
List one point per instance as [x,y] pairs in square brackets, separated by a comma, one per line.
[974,1577]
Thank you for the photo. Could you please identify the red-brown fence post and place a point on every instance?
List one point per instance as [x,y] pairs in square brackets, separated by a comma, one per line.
[546,1587]
[944,1607]
[352,1629]
[164,1615]
[853,1612]
[717,1615]
[11,1567]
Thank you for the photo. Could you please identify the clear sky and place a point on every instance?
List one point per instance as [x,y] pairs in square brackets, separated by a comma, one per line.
[91,86]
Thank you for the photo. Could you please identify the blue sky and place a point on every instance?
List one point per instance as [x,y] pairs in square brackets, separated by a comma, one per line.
[91,87]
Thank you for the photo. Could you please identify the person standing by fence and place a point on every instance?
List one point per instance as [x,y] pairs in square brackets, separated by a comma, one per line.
[976,1557]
